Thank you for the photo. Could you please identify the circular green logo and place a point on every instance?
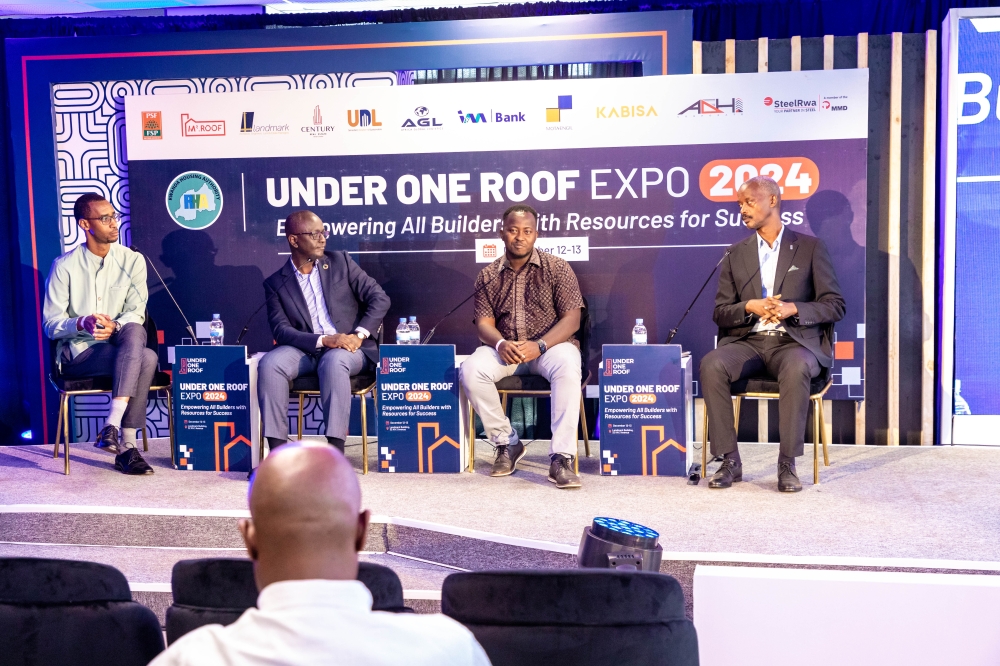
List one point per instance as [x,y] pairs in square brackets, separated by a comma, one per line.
[194,200]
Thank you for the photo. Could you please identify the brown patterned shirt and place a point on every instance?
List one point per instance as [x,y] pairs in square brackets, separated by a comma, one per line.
[528,303]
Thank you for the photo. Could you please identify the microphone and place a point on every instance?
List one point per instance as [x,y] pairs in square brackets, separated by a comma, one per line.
[239,338]
[673,331]
[194,338]
[430,333]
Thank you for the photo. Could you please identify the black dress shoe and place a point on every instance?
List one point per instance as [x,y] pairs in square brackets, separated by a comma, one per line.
[109,439]
[788,482]
[729,472]
[507,458]
[130,462]
[561,472]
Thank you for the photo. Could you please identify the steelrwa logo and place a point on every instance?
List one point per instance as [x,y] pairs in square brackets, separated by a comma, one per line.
[791,105]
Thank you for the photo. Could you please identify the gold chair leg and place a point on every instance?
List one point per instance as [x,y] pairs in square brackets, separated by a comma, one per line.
[472,438]
[145,442]
[302,399]
[364,434]
[62,407]
[823,437]
[66,438]
[170,425]
[817,424]
[503,399]
[736,416]
[576,465]
[704,444]
[583,424]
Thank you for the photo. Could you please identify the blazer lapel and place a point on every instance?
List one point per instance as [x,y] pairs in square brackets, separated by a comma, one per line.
[326,272]
[751,262]
[294,292]
[789,245]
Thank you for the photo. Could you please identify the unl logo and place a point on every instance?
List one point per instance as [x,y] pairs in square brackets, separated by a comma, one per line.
[607,367]
[385,366]
[363,117]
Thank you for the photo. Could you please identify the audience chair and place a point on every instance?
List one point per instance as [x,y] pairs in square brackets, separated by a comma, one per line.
[765,387]
[361,385]
[573,617]
[538,386]
[218,591]
[70,387]
[72,614]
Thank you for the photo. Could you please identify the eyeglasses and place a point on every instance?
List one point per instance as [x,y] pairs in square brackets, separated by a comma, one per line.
[315,235]
[105,219]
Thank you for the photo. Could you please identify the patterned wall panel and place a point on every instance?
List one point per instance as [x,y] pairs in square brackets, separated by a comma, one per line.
[89,127]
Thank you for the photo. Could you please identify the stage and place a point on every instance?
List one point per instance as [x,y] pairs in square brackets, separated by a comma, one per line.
[877,508]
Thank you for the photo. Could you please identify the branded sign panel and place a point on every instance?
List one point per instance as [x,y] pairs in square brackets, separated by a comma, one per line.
[970,242]
[418,427]
[643,420]
[211,408]
[634,180]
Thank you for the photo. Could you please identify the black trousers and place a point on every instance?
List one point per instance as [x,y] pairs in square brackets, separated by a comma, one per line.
[779,356]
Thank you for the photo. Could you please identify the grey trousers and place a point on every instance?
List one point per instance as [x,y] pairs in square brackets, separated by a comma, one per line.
[560,365]
[793,365]
[125,357]
[281,365]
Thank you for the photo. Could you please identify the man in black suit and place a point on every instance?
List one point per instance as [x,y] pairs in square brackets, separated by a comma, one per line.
[323,310]
[778,298]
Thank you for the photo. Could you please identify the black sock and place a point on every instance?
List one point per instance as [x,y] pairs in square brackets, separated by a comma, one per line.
[274,442]
[337,442]
[733,455]
[788,459]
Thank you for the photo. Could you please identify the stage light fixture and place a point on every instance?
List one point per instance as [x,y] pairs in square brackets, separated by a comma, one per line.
[27,434]
[611,543]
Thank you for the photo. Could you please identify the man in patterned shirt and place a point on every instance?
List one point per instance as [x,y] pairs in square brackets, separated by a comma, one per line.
[527,314]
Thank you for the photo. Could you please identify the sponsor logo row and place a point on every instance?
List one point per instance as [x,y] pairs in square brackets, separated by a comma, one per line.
[557,116]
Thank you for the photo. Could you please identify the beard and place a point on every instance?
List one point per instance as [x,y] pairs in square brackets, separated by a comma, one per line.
[513,255]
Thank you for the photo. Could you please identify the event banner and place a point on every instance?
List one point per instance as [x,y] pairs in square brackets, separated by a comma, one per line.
[211,388]
[643,428]
[418,409]
[634,180]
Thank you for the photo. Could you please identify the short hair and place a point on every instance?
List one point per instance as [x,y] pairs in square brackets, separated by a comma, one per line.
[520,208]
[82,205]
[292,221]
[766,185]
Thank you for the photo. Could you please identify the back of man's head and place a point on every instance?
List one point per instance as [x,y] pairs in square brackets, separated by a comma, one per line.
[306,519]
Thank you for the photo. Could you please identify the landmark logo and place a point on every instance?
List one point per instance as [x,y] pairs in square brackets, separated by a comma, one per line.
[152,125]
[248,126]
[422,119]
[554,114]
[317,128]
[192,127]
[715,107]
[194,200]
[363,118]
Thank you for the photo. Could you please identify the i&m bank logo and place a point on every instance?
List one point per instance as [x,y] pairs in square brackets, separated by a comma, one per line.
[152,125]
[194,200]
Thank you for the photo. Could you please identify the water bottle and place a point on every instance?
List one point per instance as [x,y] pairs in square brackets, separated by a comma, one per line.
[402,332]
[961,406]
[414,331]
[216,330]
[639,333]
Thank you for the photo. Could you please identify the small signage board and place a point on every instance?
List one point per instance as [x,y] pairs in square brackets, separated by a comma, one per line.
[211,408]
[418,429]
[643,428]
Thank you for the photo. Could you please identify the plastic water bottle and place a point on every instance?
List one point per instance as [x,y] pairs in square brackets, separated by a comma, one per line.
[639,333]
[402,332]
[961,406]
[216,330]
[414,331]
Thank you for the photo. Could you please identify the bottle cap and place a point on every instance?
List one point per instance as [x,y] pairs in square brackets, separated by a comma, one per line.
[412,318]
[215,316]
[402,320]
[638,321]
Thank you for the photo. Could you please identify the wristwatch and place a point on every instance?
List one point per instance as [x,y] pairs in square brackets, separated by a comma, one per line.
[542,347]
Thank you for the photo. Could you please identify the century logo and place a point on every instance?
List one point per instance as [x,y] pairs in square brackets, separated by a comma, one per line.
[422,119]
[152,125]
[192,127]
[317,128]
[362,118]
[714,107]
[627,111]
[194,200]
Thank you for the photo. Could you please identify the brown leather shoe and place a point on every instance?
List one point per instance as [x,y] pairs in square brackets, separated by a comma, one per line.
[788,481]
[729,472]
[507,458]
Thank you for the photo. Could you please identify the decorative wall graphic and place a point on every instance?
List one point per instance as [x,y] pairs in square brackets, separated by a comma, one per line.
[89,120]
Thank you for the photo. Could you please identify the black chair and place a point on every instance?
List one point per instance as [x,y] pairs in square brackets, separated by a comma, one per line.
[72,614]
[69,387]
[218,591]
[538,386]
[573,617]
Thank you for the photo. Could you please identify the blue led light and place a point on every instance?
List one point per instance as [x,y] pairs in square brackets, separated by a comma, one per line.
[627,527]
[27,434]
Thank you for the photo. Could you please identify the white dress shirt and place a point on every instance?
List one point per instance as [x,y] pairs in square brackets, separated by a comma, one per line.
[768,258]
[312,290]
[306,622]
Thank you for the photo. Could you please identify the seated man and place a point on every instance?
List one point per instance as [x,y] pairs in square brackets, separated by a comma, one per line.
[528,307]
[777,292]
[95,306]
[322,321]
[305,529]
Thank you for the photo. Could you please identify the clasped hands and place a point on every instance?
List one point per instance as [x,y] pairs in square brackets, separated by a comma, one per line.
[348,341]
[772,309]
[90,325]
[513,352]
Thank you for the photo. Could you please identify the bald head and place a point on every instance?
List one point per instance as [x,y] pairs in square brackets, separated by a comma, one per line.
[763,187]
[301,221]
[306,519]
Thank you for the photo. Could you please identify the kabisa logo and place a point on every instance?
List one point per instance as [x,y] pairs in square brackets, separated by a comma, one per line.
[791,105]
[627,111]
[493,116]
[563,103]
[192,127]
[194,200]
[423,119]
[247,126]
[363,118]
[317,129]
[714,107]
[152,125]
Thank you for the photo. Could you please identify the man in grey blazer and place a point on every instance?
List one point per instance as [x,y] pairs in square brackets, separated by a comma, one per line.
[323,310]
[777,301]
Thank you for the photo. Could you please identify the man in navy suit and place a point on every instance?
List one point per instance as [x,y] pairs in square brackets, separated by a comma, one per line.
[323,310]
[777,301]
